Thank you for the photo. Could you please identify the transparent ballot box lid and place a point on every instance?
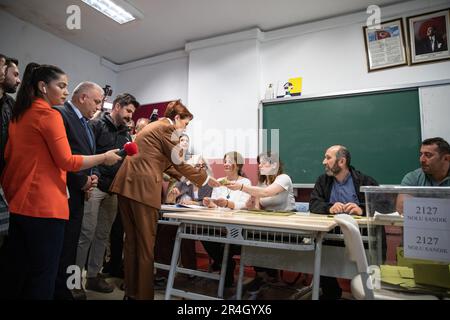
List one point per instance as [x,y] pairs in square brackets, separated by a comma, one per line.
[409,237]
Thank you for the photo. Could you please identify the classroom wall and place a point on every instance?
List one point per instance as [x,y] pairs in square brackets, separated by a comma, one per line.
[222,79]
[156,80]
[223,93]
[330,54]
[28,43]
[227,75]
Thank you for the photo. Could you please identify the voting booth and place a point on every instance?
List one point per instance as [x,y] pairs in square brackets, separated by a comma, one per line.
[409,239]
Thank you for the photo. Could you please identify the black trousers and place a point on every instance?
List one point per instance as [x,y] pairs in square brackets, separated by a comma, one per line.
[70,243]
[33,251]
[215,251]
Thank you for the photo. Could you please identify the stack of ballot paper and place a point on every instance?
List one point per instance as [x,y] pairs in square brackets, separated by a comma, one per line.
[395,275]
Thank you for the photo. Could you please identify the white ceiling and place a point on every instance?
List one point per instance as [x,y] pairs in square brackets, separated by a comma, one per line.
[168,24]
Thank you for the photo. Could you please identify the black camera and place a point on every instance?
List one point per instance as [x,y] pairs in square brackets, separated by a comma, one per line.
[107,91]
[154,116]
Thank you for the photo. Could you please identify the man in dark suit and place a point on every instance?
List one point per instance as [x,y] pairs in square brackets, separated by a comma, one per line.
[86,100]
[431,43]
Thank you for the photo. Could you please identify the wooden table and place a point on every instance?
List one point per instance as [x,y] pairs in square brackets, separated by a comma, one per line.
[250,230]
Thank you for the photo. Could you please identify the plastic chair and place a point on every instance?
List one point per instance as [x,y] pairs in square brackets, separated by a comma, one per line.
[355,250]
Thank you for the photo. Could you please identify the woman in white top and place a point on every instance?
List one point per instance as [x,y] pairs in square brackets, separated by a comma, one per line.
[274,192]
[226,198]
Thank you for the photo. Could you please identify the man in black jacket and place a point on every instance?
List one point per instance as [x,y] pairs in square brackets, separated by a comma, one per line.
[110,132]
[9,85]
[338,191]
[86,100]
[9,81]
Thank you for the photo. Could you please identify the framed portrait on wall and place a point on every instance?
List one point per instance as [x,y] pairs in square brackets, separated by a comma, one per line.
[429,36]
[385,45]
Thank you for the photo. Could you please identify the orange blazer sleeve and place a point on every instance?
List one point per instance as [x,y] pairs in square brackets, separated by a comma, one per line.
[54,134]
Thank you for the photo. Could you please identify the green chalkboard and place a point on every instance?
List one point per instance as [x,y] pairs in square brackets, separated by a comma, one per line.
[381,130]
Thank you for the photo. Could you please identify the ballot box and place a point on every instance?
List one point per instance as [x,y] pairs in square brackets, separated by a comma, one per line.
[409,239]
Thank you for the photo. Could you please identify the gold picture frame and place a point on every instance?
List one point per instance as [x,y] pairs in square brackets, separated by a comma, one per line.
[429,36]
[385,45]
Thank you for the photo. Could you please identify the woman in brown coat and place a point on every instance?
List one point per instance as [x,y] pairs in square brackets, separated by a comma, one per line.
[138,184]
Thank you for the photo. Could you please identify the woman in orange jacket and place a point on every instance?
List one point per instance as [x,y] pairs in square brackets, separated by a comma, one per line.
[34,181]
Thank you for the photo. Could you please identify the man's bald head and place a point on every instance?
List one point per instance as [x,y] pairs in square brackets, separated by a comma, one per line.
[85,87]
[88,98]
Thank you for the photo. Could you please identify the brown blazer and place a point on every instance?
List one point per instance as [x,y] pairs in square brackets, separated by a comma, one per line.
[140,177]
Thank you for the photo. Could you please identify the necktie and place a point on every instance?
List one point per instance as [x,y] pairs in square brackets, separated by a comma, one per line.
[88,132]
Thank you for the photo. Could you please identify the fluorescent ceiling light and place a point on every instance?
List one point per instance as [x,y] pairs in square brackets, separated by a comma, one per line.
[116,12]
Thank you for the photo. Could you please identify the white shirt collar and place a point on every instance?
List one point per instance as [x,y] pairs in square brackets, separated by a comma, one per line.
[77,111]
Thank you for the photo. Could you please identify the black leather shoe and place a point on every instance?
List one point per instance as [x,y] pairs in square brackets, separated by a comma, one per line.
[98,284]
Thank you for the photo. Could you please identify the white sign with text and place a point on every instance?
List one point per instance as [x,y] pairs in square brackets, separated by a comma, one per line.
[427,229]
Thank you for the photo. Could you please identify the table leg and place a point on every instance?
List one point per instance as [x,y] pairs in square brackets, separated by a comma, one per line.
[223,270]
[317,258]
[173,263]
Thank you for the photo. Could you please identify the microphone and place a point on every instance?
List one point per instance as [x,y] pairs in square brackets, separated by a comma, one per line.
[129,149]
